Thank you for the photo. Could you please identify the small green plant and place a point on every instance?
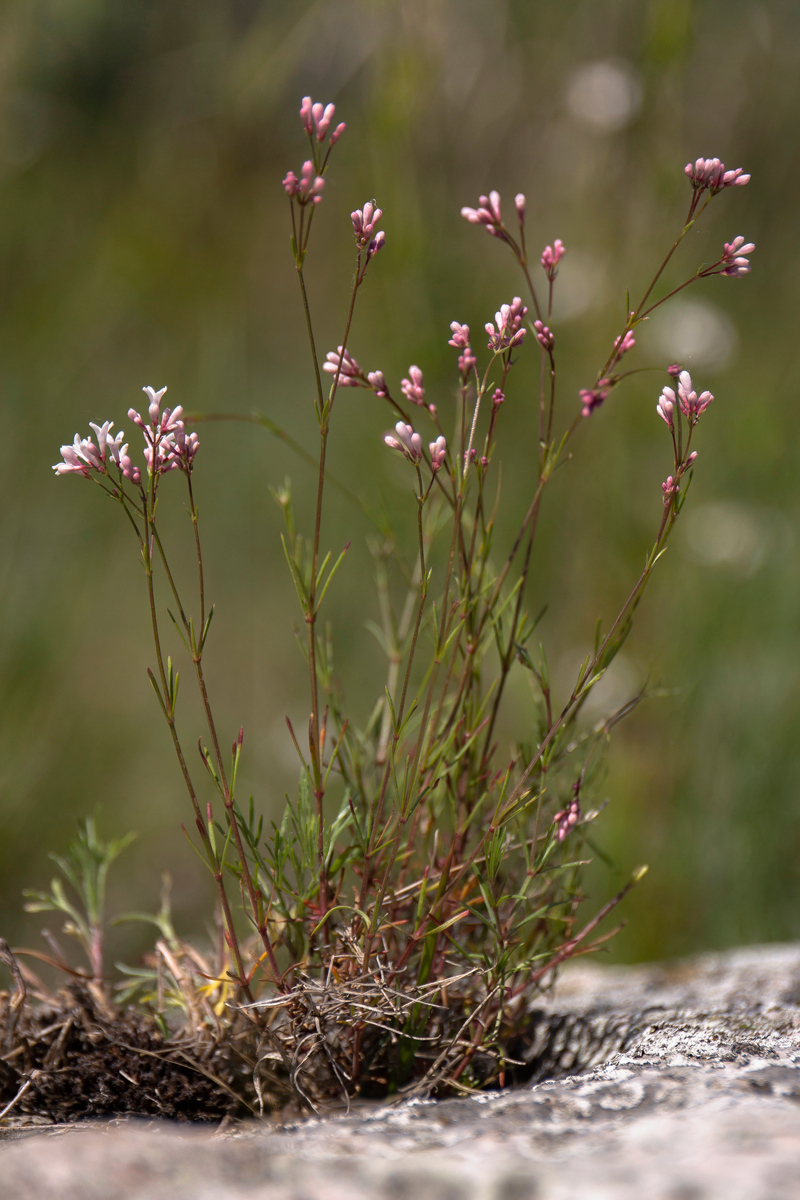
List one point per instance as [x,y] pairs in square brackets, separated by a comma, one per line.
[424,884]
[85,867]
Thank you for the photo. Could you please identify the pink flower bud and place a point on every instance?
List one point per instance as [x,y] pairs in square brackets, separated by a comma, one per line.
[460,338]
[349,374]
[520,205]
[412,388]
[466,362]
[592,398]
[566,820]
[487,213]
[733,257]
[510,331]
[498,398]
[322,119]
[544,335]
[438,451]
[691,404]
[308,188]
[551,257]
[378,383]
[666,406]
[711,173]
[364,221]
[407,441]
[377,243]
[623,344]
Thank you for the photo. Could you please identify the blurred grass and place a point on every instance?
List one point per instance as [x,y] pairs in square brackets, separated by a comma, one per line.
[143,239]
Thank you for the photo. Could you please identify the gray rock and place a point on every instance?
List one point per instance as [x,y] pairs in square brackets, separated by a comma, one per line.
[698,1098]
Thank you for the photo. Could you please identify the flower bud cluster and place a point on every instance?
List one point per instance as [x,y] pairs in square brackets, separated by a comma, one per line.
[551,257]
[510,330]
[487,213]
[566,820]
[308,188]
[733,256]
[544,335]
[378,383]
[711,173]
[460,340]
[349,374]
[317,120]
[691,404]
[666,406]
[438,451]
[622,344]
[592,398]
[364,221]
[407,442]
[412,388]
[687,399]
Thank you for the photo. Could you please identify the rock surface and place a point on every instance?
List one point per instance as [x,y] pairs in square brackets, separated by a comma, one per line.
[698,1099]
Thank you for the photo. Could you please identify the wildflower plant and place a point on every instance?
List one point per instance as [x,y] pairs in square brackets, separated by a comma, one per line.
[424,884]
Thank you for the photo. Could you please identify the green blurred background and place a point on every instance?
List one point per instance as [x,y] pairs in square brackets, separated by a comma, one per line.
[143,239]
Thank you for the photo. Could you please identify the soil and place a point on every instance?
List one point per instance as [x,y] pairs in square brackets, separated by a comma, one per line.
[694,1097]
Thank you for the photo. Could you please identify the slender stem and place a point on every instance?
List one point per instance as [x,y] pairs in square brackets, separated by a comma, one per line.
[324,414]
[148,542]
[201,586]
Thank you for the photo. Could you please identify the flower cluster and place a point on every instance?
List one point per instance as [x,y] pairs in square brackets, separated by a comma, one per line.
[364,221]
[622,344]
[666,406]
[83,456]
[438,451]
[317,119]
[308,188]
[168,447]
[733,256]
[544,335]
[460,340]
[412,388]
[551,257]
[567,819]
[510,330]
[378,383]
[592,398]
[690,404]
[710,173]
[349,374]
[407,441]
[488,213]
